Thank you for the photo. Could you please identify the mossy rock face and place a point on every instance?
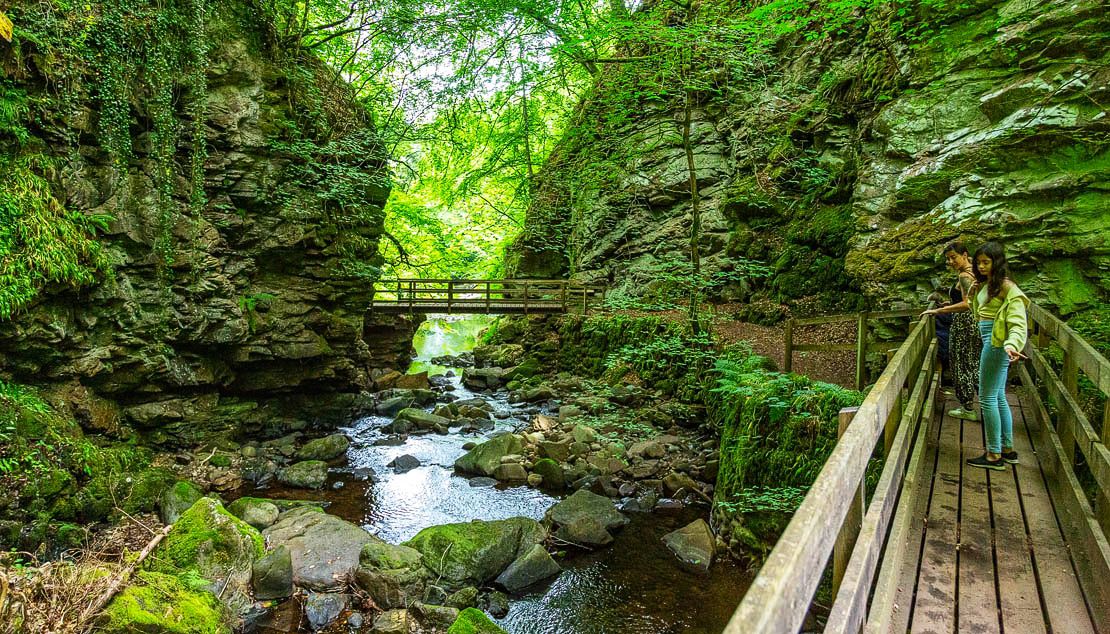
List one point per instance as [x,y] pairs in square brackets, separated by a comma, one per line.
[475,552]
[474,621]
[211,543]
[159,603]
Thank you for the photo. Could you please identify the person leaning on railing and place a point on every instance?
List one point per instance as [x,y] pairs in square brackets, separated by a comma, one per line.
[964,341]
[1000,307]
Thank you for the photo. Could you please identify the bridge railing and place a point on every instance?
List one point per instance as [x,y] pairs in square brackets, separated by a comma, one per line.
[863,345]
[526,295]
[1071,451]
[832,517]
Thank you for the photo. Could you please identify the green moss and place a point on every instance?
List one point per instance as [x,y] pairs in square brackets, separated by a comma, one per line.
[207,538]
[474,621]
[163,604]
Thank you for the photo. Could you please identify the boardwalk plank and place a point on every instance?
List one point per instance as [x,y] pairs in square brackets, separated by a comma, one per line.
[977,603]
[1018,595]
[1066,610]
[934,609]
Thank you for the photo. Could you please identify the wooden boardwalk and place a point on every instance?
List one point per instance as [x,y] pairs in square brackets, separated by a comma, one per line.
[992,555]
[935,546]
[486,297]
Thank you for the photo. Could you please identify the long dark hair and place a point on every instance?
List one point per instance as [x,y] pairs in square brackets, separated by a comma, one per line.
[999,270]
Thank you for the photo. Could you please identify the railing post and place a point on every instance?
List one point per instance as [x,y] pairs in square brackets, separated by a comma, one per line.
[564,296]
[1070,374]
[525,297]
[412,293]
[450,294]
[788,342]
[861,351]
[489,295]
[585,299]
[849,531]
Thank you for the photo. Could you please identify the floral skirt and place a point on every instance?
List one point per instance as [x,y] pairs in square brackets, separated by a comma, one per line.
[964,345]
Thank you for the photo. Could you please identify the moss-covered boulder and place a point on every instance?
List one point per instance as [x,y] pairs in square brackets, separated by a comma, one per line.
[393,576]
[486,457]
[208,542]
[475,552]
[583,503]
[157,603]
[474,621]
[177,499]
[533,566]
[326,448]
[258,512]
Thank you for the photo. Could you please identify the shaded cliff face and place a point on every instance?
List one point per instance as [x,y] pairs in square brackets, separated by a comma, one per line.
[847,163]
[235,297]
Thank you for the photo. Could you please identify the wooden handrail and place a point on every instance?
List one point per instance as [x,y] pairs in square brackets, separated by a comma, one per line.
[478,295]
[862,345]
[779,597]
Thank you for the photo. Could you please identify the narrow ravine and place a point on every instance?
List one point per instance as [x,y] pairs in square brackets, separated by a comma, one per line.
[635,585]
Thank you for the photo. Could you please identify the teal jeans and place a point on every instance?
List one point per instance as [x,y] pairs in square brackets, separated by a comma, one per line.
[994,365]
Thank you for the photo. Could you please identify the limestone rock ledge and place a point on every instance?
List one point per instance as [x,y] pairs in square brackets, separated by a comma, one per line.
[257,323]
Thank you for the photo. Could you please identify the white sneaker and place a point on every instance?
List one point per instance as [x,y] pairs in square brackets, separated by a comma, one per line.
[960,412]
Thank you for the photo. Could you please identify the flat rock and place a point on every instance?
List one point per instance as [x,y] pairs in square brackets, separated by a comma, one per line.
[693,544]
[586,504]
[533,566]
[323,548]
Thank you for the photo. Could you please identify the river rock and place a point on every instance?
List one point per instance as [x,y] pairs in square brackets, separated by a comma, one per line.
[510,472]
[532,395]
[462,599]
[475,552]
[257,512]
[533,566]
[272,575]
[310,474]
[215,545]
[417,421]
[482,482]
[387,380]
[323,548]
[497,604]
[674,482]
[584,531]
[393,622]
[437,617]
[477,402]
[322,608]
[404,464]
[486,457]
[693,544]
[552,473]
[586,504]
[584,434]
[326,448]
[647,449]
[177,499]
[391,406]
[557,451]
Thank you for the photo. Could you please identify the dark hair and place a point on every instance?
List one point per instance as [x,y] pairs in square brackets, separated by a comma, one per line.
[956,246]
[999,270]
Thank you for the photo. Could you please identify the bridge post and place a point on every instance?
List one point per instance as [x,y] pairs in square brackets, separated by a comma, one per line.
[450,294]
[525,297]
[489,295]
[853,521]
[861,350]
[788,341]
[564,285]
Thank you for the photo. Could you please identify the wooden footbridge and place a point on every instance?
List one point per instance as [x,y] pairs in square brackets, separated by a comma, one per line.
[490,297]
[938,546]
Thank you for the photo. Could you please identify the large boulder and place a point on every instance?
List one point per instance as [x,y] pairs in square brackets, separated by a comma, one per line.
[473,553]
[326,448]
[157,603]
[533,566]
[413,420]
[177,499]
[215,545]
[310,474]
[552,473]
[272,575]
[693,544]
[583,503]
[474,621]
[486,457]
[392,575]
[584,531]
[324,549]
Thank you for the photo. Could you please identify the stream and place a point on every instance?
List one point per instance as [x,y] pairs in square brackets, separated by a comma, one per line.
[634,586]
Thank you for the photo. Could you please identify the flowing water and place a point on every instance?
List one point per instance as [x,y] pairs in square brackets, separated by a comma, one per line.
[634,586]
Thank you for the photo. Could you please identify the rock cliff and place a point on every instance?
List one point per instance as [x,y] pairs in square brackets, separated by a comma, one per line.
[242,189]
[845,160]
